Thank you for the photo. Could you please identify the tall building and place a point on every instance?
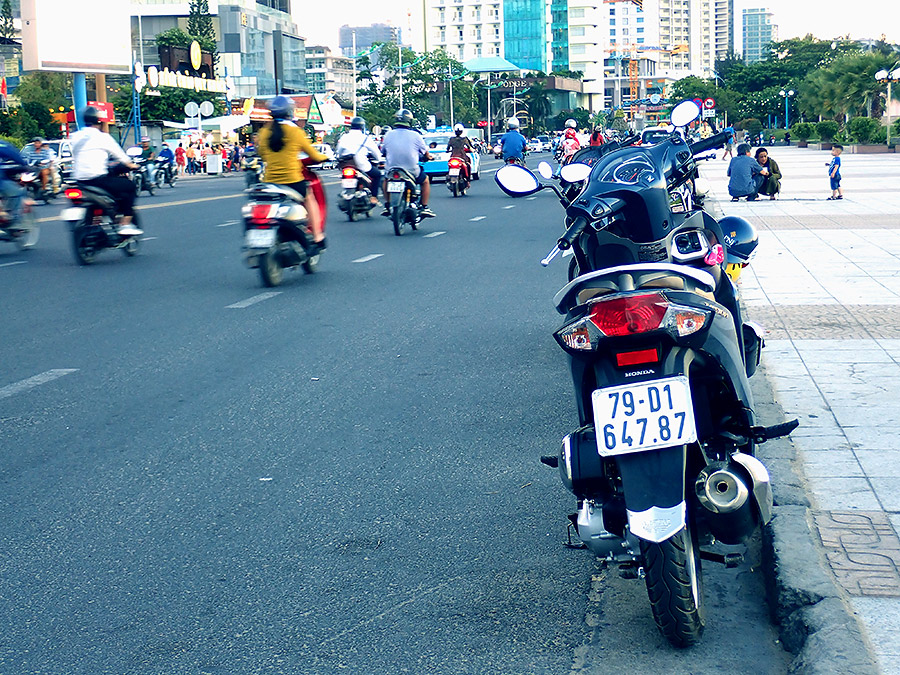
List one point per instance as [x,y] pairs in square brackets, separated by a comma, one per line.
[465,29]
[366,36]
[724,28]
[329,73]
[758,31]
[527,29]
[259,44]
[686,37]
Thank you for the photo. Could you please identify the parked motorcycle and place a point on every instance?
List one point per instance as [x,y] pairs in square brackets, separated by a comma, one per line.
[457,176]
[253,167]
[17,223]
[403,200]
[94,224]
[276,237]
[356,191]
[662,464]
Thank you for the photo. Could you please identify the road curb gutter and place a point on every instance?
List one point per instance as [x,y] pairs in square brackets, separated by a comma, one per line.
[815,623]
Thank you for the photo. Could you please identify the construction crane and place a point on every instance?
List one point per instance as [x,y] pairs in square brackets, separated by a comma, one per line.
[633,64]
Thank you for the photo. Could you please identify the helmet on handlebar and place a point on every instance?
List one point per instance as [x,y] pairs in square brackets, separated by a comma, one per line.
[403,118]
[741,240]
[571,124]
[281,108]
[458,129]
[512,123]
[358,123]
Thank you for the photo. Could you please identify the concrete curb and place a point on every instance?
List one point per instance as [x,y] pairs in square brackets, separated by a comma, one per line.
[815,622]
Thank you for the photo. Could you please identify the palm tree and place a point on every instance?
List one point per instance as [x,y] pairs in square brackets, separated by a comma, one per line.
[538,100]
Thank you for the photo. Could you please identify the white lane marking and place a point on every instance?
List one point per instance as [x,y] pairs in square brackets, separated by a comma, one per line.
[18,262]
[228,224]
[532,198]
[35,381]
[477,218]
[434,234]
[148,238]
[253,300]
[511,206]
[368,258]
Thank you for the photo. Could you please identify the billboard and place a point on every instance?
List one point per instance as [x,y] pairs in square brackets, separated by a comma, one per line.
[62,35]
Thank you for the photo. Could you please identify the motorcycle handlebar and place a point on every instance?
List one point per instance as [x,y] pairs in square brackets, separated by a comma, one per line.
[715,141]
[575,229]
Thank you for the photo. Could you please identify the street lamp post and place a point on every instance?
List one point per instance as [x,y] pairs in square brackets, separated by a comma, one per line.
[786,95]
[885,76]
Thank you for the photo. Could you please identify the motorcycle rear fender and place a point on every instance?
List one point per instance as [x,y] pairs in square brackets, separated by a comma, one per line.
[653,485]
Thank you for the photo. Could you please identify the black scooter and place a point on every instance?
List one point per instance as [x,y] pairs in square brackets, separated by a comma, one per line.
[662,464]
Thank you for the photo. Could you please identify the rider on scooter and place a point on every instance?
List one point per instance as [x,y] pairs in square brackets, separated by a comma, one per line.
[513,142]
[36,152]
[570,143]
[403,148]
[460,146]
[362,147]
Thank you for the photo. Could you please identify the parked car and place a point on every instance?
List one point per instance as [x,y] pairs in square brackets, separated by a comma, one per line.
[546,143]
[63,149]
[534,145]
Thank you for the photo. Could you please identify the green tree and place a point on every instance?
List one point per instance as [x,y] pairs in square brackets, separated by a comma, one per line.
[200,25]
[168,106]
[827,130]
[7,29]
[44,88]
[802,130]
[863,129]
[539,107]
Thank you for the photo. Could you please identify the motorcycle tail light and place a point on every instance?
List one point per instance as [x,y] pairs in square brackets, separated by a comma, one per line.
[260,213]
[630,314]
[455,163]
[73,193]
[348,173]
[395,175]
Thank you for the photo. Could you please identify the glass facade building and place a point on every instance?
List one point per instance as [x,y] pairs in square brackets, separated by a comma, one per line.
[524,33]
[559,35]
[758,32]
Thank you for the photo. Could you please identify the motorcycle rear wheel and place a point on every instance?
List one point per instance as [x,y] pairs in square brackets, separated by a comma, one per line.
[454,188]
[270,270]
[83,247]
[399,219]
[311,264]
[33,232]
[674,587]
[351,214]
[130,249]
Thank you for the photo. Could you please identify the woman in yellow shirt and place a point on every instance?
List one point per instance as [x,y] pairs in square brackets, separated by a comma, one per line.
[280,143]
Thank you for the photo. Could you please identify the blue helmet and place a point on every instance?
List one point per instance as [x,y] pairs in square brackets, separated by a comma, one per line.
[281,108]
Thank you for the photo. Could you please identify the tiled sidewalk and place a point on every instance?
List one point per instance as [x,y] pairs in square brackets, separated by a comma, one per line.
[826,285]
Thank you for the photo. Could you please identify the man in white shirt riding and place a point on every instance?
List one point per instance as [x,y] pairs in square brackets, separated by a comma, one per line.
[363,147]
[92,151]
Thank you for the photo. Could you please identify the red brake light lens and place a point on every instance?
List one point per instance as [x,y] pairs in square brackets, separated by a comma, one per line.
[260,213]
[455,163]
[629,315]
[348,172]
[73,193]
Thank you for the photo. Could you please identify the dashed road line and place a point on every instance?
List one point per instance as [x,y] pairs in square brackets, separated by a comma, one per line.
[252,301]
[228,224]
[433,234]
[531,198]
[511,206]
[148,238]
[18,262]
[477,218]
[36,381]
[367,258]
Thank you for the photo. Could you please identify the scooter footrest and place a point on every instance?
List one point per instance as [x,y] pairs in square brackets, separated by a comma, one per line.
[550,460]
[763,434]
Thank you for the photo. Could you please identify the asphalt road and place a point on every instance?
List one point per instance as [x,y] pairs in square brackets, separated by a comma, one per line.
[201,476]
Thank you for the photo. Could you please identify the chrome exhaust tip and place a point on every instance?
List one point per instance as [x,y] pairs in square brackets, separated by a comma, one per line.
[720,490]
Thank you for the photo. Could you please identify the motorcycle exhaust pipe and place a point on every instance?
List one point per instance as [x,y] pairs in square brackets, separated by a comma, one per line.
[723,492]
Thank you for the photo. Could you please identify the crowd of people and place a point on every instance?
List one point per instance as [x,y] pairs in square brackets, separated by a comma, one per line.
[191,158]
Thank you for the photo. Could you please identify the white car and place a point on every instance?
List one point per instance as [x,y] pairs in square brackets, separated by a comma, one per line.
[328,151]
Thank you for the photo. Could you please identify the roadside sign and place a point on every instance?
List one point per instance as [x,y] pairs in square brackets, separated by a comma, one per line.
[709,103]
[709,112]
[206,109]
[191,109]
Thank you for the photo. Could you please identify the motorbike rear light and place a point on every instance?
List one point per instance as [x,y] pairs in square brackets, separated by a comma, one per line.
[73,193]
[630,314]
[637,358]
[455,163]
[260,213]
[349,173]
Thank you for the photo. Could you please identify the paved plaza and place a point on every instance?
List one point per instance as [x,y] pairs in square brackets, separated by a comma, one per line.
[826,285]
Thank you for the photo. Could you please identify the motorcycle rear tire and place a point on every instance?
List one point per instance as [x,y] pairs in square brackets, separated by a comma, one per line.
[33,232]
[674,587]
[351,214]
[311,264]
[131,248]
[399,218]
[573,268]
[454,188]
[84,249]
[270,270]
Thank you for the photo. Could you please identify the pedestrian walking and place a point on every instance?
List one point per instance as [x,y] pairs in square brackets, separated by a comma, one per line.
[729,144]
[179,158]
[191,154]
[834,171]
[772,184]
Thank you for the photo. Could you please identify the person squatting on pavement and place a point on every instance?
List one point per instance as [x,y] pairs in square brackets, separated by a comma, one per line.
[403,147]
[280,144]
[362,146]
[92,152]
[772,184]
[747,176]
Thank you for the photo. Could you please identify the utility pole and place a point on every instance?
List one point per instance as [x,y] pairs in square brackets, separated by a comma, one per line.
[354,73]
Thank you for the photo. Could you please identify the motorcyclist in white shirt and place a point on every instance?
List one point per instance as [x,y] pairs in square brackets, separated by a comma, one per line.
[92,152]
[366,155]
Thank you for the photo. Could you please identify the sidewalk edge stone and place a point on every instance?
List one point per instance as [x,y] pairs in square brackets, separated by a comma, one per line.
[815,622]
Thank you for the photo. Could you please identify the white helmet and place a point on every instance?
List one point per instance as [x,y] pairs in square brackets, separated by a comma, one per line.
[571,124]
[459,128]
[513,122]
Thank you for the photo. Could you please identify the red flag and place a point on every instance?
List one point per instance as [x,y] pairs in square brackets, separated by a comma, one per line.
[3,86]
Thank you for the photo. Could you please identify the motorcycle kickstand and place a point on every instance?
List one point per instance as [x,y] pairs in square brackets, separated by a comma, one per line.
[580,546]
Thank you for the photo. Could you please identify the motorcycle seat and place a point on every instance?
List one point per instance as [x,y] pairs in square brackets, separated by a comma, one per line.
[274,192]
[97,194]
[406,175]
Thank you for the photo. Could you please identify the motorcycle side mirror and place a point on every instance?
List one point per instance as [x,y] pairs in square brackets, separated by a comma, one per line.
[545,170]
[684,113]
[516,180]
[575,173]
[134,151]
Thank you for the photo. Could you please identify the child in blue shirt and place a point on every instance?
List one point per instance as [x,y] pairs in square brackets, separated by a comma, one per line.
[834,172]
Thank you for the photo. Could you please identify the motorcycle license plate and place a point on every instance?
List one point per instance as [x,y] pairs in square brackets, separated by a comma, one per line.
[348,183]
[643,416]
[395,186]
[454,172]
[72,214]
[259,238]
